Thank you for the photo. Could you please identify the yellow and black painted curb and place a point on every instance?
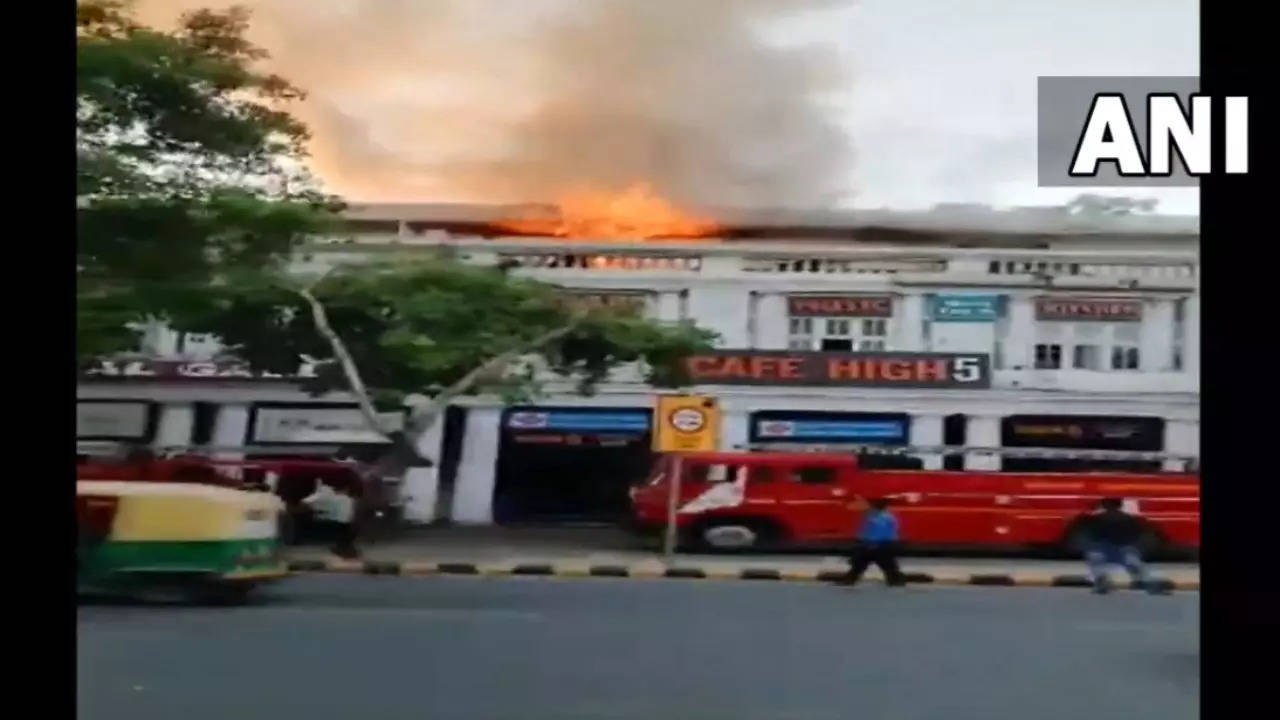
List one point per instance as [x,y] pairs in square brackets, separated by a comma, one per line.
[654,570]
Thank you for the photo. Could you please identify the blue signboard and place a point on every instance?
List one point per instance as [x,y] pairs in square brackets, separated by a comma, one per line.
[571,421]
[832,430]
[966,308]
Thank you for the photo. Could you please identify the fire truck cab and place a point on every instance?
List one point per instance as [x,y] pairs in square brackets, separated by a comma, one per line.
[770,499]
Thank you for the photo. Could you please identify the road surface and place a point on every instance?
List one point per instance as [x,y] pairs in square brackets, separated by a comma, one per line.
[325,647]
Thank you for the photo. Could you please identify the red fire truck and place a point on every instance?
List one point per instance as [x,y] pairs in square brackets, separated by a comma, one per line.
[750,500]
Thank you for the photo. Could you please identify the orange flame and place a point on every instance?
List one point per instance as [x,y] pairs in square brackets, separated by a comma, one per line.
[636,212]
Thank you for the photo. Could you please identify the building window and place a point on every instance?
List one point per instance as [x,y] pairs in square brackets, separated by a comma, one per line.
[1086,357]
[838,334]
[1177,358]
[814,475]
[1048,357]
[1124,357]
[837,344]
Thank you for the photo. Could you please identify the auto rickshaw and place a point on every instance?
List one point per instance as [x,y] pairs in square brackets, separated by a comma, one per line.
[176,531]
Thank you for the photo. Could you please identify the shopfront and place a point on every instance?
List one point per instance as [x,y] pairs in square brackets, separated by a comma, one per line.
[1082,432]
[874,436]
[569,464]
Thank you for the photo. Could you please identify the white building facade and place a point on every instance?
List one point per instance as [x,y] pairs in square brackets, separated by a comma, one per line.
[1087,331]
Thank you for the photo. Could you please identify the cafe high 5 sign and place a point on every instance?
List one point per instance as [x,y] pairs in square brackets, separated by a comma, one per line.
[860,369]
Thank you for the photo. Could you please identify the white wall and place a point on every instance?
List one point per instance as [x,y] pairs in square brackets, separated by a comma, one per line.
[477,469]
[176,422]
[722,307]
[231,429]
[735,428]
[926,430]
[420,489]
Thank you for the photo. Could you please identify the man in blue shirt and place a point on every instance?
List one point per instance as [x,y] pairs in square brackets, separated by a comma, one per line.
[877,543]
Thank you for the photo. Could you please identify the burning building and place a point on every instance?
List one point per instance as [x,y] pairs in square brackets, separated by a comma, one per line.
[956,337]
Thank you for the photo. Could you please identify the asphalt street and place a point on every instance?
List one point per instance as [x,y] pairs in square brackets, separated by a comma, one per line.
[324,647]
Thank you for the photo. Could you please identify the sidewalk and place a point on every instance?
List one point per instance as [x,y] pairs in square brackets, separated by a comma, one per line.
[612,552]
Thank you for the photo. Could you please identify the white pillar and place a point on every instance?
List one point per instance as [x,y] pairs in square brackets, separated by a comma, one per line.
[1022,333]
[668,307]
[926,430]
[723,308]
[1191,339]
[1183,438]
[231,429]
[421,488]
[473,488]
[772,322]
[982,431]
[177,420]
[908,336]
[1156,336]
[735,429]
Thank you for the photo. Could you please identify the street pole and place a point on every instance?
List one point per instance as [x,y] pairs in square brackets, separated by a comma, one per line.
[673,496]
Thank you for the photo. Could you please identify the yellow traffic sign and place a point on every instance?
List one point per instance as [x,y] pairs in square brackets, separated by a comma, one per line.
[686,423]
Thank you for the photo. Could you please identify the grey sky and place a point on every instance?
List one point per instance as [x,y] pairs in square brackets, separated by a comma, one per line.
[943,105]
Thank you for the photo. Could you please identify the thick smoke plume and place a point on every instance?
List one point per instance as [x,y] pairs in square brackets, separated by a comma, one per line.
[521,100]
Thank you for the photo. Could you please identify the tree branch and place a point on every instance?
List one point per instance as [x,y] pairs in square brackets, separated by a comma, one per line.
[349,369]
[424,417]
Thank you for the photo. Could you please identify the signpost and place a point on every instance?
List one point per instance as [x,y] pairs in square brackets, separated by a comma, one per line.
[683,423]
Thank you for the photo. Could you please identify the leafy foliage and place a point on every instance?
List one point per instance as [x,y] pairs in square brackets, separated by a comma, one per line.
[188,167]
[421,327]
[192,196]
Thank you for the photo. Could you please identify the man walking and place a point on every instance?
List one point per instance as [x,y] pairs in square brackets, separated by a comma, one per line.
[1113,536]
[338,509]
[877,543]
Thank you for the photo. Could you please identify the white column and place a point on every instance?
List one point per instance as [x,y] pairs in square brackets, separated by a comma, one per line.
[771,322]
[722,308]
[421,487]
[982,431]
[1156,336]
[926,430]
[473,488]
[1183,438]
[1191,338]
[177,420]
[735,429]
[231,429]
[668,307]
[1018,345]
[909,333]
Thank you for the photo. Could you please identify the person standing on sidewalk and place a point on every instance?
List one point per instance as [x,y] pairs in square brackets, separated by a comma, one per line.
[877,543]
[1112,539]
[338,508]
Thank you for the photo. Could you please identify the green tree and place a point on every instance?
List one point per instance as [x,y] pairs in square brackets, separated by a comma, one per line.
[193,197]
[188,167]
[437,328]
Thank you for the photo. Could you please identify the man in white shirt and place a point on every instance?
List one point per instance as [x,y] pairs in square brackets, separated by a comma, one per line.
[337,507]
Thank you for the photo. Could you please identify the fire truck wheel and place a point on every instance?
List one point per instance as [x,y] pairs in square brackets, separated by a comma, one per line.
[734,534]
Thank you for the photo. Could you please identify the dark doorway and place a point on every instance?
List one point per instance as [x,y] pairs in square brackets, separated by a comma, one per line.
[455,428]
[570,464]
[954,429]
